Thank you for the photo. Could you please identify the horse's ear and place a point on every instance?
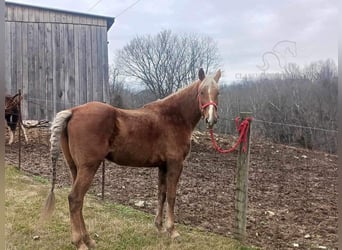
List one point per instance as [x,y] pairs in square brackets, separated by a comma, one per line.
[201,74]
[217,75]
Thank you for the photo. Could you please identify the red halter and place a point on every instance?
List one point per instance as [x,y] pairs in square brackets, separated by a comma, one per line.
[203,106]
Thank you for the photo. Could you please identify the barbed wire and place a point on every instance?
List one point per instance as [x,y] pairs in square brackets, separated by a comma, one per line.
[296,126]
[288,125]
[36,101]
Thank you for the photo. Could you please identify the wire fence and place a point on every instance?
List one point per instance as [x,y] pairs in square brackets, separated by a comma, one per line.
[310,137]
[35,158]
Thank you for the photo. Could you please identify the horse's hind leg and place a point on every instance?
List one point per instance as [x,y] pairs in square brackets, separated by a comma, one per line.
[68,158]
[158,221]
[174,170]
[24,131]
[85,175]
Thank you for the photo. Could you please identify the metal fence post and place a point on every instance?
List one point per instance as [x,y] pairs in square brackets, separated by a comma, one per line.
[103,179]
[241,198]
[19,128]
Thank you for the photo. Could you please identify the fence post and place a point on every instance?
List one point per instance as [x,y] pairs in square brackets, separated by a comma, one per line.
[241,197]
[103,179]
[19,130]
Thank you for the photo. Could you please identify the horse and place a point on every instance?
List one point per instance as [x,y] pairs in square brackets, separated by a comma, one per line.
[155,135]
[12,115]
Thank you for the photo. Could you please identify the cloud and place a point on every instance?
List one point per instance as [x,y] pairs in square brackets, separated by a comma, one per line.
[244,30]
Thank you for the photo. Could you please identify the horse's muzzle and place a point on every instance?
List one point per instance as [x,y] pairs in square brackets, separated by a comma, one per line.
[210,123]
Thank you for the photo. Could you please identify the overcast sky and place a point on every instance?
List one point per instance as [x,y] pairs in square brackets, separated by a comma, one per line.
[244,30]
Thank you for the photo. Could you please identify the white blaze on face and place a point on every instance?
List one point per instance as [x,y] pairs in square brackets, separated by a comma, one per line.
[210,110]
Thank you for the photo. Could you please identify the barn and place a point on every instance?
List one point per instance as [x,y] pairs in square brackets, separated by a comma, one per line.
[57,58]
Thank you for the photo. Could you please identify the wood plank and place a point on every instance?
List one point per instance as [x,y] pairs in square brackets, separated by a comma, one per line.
[31,73]
[95,62]
[88,60]
[18,56]
[63,18]
[65,65]
[31,15]
[10,14]
[25,15]
[77,77]
[82,56]
[76,19]
[83,20]
[70,95]
[46,16]
[6,14]
[105,65]
[49,72]
[58,17]
[89,20]
[69,18]
[94,21]
[8,58]
[100,64]
[36,84]
[62,67]
[38,15]
[18,14]
[14,59]
[24,91]
[52,16]
[56,66]
[41,84]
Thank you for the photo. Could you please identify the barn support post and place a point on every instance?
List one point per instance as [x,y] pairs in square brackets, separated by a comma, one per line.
[103,179]
[241,196]
[19,130]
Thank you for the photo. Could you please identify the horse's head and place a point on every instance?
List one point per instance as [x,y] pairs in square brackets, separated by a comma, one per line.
[12,102]
[207,97]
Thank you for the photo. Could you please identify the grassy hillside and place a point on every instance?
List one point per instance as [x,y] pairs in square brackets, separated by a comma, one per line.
[112,226]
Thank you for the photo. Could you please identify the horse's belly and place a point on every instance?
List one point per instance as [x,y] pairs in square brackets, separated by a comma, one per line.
[135,158]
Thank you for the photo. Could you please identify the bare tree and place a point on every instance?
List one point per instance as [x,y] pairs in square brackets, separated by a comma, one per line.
[116,87]
[303,97]
[167,61]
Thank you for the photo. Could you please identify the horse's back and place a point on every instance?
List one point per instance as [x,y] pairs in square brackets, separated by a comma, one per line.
[139,137]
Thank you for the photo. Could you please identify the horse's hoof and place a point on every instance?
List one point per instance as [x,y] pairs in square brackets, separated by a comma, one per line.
[159,226]
[175,235]
[91,244]
[82,247]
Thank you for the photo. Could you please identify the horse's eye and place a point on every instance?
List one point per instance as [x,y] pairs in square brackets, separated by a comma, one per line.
[201,92]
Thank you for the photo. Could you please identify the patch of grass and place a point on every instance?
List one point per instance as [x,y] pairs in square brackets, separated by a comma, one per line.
[40,179]
[112,226]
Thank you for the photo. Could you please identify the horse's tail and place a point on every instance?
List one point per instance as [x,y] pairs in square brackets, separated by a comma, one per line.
[58,126]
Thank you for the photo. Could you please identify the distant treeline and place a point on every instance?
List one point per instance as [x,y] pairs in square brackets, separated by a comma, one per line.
[296,107]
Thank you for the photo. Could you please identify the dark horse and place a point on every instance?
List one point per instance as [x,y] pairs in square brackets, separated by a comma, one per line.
[156,135]
[12,115]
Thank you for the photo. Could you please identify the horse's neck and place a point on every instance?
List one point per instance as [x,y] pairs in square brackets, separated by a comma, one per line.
[185,104]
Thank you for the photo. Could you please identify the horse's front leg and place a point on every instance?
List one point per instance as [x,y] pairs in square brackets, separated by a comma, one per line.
[11,133]
[158,221]
[174,170]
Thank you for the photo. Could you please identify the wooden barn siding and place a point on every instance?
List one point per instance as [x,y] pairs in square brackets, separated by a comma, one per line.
[57,60]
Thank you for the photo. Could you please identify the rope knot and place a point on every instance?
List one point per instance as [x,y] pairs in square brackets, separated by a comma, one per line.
[242,128]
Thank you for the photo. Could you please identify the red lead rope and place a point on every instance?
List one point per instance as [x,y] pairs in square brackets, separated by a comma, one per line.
[243,130]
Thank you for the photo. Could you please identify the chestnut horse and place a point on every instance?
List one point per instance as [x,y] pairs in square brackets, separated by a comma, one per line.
[156,135]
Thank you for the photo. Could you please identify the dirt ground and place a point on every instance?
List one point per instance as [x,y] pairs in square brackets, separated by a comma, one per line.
[292,191]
